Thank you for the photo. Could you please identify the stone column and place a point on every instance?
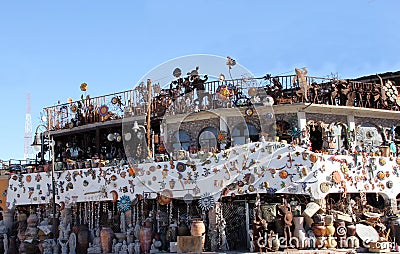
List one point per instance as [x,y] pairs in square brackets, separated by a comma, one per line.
[302,123]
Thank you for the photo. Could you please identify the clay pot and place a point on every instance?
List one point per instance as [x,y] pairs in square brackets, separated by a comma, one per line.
[82,239]
[197,228]
[145,239]
[313,158]
[319,230]
[351,229]
[106,237]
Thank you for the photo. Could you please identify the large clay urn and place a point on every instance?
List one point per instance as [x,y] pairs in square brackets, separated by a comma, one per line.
[82,239]
[106,237]
[197,228]
[146,235]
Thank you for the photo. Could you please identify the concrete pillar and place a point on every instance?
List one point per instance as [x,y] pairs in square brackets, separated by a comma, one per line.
[302,123]
[352,128]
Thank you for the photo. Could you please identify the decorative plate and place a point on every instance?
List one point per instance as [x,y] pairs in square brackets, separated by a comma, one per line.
[251,188]
[181,167]
[165,197]
[324,187]
[249,112]
[188,198]
[336,177]
[103,111]
[124,204]
[283,174]
[114,100]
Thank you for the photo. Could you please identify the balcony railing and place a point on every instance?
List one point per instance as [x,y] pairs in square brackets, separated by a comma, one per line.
[221,94]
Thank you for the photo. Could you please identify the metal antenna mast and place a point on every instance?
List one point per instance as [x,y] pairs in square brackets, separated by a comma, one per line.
[28,128]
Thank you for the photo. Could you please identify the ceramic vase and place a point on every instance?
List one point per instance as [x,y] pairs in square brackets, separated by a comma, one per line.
[197,228]
[145,239]
[106,237]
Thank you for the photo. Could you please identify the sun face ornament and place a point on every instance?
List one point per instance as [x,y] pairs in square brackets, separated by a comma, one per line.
[206,202]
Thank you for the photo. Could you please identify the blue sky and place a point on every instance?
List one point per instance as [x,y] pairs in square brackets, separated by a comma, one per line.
[48,48]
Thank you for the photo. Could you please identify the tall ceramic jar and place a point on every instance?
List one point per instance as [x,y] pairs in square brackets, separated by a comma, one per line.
[299,232]
[146,236]
[106,237]
[197,228]
[82,239]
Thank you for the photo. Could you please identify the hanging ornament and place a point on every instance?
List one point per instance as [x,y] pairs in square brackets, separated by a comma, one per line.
[206,201]
[165,197]
[124,204]
[103,111]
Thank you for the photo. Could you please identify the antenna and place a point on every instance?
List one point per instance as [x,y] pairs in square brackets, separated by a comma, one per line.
[28,128]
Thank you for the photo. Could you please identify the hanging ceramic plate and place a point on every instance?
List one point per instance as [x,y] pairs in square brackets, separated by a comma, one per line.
[114,100]
[188,198]
[283,174]
[324,187]
[336,177]
[165,197]
[181,167]
[249,112]
[380,175]
[152,168]
[251,188]
[74,108]
[28,178]
[103,111]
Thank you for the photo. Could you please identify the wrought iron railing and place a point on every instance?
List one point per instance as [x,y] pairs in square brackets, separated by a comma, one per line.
[217,94]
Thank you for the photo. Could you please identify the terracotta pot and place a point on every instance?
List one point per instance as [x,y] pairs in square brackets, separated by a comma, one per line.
[145,239]
[82,239]
[351,229]
[106,237]
[319,230]
[197,228]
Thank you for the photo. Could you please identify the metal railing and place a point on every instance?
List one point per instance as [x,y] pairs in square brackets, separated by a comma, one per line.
[134,102]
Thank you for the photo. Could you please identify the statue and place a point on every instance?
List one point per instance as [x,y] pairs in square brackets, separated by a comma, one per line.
[124,248]
[72,243]
[302,83]
[252,246]
[129,234]
[137,247]
[123,222]
[224,242]
[95,247]
[3,229]
[5,243]
[64,245]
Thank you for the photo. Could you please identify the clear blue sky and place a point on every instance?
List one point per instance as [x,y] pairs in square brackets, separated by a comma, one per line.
[48,48]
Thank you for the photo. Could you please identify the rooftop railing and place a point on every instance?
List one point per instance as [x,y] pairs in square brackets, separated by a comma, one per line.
[220,94]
